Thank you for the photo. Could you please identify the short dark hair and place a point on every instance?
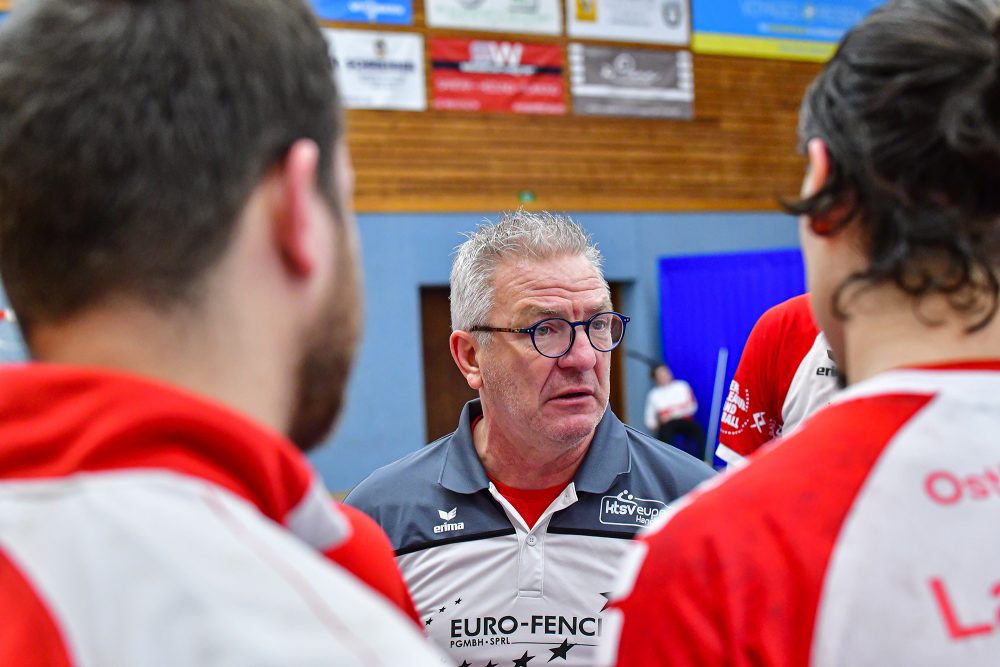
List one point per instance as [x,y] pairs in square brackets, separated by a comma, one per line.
[909,109]
[132,133]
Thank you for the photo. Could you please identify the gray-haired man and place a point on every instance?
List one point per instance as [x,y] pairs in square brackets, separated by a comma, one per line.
[509,530]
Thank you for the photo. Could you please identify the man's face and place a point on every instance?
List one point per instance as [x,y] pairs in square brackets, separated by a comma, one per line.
[329,345]
[535,399]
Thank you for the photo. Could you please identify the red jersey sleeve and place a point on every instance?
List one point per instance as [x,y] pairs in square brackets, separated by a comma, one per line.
[778,342]
[734,577]
[28,635]
[368,555]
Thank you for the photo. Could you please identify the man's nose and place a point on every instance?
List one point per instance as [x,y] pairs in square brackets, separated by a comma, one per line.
[581,355]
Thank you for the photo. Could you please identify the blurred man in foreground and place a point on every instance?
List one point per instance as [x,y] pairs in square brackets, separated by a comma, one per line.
[869,536]
[177,240]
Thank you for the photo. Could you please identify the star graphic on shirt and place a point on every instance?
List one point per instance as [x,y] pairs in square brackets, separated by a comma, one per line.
[458,601]
[428,621]
[465,663]
[491,664]
[441,610]
[607,598]
[561,650]
[523,660]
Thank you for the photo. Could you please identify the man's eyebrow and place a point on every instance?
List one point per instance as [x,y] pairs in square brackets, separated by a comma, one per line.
[543,311]
[531,311]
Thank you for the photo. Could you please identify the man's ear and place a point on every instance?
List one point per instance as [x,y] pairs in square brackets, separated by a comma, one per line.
[295,219]
[465,352]
[816,176]
[819,167]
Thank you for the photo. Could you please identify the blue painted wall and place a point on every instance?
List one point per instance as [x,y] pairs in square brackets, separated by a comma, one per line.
[384,417]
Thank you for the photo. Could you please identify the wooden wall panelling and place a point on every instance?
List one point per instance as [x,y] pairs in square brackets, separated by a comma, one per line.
[737,154]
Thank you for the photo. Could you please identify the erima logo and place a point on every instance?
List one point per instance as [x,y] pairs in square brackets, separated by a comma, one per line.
[447,526]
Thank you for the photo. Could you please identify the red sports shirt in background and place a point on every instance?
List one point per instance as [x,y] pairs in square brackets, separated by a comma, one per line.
[785,374]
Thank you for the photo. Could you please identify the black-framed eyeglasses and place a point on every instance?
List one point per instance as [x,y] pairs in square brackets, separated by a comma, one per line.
[553,337]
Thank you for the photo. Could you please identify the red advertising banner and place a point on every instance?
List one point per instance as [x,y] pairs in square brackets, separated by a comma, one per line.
[486,75]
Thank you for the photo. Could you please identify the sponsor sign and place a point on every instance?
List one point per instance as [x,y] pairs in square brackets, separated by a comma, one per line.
[790,29]
[378,70]
[390,12]
[486,75]
[521,16]
[627,510]
[611,81]
[654,21]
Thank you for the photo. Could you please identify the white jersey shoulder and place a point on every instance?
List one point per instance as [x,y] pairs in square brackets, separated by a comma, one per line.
[158,569]
[917,557]
[813,385]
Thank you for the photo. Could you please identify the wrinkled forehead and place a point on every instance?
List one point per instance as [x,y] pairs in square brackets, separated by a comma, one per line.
[563,286]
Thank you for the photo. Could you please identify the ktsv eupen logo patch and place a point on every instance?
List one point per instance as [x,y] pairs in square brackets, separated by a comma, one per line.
[627,510]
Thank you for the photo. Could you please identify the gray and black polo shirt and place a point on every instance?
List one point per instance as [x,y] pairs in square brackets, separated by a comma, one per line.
[490,590]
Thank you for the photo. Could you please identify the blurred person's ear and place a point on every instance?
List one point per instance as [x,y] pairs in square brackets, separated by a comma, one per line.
[297,224]
[816,174]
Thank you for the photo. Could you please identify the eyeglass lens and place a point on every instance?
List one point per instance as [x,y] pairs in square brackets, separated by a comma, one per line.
[553,337]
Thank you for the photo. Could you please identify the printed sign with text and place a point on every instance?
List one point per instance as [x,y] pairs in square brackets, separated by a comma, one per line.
[390,12]
[653,21]
[541,17]
[379,70]
[486,75]
[791,29]
[612,81]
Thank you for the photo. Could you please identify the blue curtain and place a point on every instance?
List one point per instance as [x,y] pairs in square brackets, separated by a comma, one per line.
[708,304]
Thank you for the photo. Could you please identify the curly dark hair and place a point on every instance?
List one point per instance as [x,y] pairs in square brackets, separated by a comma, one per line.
[909,109]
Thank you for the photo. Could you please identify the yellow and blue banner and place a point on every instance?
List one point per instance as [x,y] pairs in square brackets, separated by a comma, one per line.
[785,29]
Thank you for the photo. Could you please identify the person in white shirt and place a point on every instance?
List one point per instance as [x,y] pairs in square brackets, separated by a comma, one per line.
[670,410]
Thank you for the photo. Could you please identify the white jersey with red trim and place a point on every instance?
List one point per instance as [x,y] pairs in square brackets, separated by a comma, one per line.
[143,526]
[868,537]
[785,374]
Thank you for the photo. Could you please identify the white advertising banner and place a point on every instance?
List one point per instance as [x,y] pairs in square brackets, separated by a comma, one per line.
[652,21]
[645,83]
[542,17]
[379,70]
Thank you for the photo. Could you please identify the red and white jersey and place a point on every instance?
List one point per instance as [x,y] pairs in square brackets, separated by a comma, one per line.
[867,537]
[786,373]
[140,525]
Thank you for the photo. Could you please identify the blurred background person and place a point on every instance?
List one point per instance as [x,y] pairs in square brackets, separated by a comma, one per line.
[670,411]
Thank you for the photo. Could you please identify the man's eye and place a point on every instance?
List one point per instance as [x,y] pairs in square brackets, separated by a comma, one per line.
[599,325]
[544,330]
